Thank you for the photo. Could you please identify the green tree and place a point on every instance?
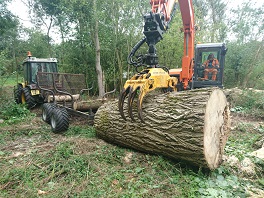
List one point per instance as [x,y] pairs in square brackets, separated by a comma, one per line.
[247,22]
[8,36]
[210,16]
[244,66]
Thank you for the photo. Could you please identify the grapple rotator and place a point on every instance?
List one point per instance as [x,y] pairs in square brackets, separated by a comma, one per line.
[154,76]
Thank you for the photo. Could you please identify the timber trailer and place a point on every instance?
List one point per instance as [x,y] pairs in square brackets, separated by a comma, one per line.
[60,94]
[63,94]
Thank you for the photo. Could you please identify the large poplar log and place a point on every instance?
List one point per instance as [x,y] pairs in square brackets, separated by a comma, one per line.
[191,125]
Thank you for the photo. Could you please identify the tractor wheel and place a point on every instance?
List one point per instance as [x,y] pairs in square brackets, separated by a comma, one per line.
[47,109]
[59,120]
[30,101]
[18,94]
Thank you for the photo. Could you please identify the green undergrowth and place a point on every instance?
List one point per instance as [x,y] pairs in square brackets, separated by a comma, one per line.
[12,113]
[78,164]
[242,143]
[62,172]
[83,131]
[248,103]
[35,162]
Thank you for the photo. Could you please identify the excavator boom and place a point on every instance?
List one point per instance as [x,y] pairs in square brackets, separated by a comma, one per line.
[156,76]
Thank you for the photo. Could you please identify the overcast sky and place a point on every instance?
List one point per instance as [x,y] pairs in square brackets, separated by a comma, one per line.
[18,8]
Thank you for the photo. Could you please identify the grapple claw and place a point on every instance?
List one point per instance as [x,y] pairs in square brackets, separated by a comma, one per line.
[121,101]
[144,82]
[131,98]
[139,105]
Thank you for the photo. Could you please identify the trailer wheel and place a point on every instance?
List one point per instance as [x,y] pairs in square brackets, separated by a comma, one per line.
[18,94]
[59,120]
[30,101]
[47,109]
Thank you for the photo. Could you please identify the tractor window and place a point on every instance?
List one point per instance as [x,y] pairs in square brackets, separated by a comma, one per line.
[27,75]
[209,65]
[35,67]
[50,67]
[42,67]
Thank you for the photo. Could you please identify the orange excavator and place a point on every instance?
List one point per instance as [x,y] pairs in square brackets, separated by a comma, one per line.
[189,76]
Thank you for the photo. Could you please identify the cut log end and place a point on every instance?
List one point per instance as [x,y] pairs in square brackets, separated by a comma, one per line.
[216,124]
[192,126]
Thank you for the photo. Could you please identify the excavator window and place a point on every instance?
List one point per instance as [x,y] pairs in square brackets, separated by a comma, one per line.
[203,57]
[213,75]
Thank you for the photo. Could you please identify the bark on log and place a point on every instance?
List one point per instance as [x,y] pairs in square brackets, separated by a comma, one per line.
[87,105]
[62,98]
[191,125]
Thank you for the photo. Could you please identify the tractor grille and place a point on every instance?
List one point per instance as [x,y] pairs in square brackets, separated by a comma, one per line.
[61,82]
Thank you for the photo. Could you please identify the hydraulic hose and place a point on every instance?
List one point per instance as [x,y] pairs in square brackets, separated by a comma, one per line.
[134,50]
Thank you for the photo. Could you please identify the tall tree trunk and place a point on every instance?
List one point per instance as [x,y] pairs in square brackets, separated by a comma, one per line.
[120,68]
[48,26]
[62,42]
[98,66]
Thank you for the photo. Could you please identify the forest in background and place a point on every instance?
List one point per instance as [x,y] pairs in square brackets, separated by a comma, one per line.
[96,36]
[35,162]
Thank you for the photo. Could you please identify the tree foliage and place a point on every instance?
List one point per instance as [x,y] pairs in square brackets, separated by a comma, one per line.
[117,25]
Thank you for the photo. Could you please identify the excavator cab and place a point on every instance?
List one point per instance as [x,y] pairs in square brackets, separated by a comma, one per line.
[202,52]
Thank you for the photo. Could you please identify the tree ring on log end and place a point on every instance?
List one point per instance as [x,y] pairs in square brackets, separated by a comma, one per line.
[216,128]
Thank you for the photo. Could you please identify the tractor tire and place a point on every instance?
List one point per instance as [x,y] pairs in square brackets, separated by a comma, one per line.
[47,109]
[18,94]
[30,100]
[59,120]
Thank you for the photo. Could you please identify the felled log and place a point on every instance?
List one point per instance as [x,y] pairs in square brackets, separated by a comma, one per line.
[63,98]
[191,125]
[87,105]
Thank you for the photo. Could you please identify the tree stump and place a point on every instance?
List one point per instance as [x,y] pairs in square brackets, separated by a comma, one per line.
[191,125]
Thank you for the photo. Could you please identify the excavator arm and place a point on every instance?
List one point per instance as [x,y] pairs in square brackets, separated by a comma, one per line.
[155,76]
[186,72]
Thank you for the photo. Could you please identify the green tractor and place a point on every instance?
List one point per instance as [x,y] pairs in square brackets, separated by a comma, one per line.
[28,91]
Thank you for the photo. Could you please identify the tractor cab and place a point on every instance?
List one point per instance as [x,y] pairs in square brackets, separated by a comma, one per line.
[33,65]
[28,91]
[209,73]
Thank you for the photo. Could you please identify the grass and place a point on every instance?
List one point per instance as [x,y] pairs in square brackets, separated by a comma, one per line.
[77,164]
[248,102]
[36,162]
[10,80]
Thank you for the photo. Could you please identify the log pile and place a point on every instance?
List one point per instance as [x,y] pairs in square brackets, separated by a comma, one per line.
[191,125]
